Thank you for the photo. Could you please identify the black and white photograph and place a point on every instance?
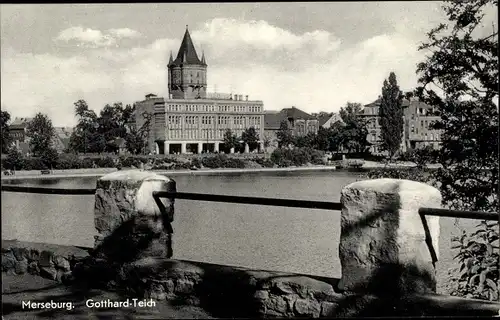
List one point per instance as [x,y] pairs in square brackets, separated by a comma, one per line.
[211,160]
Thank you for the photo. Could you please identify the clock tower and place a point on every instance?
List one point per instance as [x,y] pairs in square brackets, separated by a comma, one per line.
[187,74]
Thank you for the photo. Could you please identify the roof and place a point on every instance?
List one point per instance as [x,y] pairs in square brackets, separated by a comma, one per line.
[187,53]
[322,119]
[272,119]
[21,122]
[296,113]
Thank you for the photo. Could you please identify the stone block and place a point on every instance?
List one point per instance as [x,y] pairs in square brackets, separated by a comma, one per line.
[261,295]
[8,261]
[307,307]
[129,223]
[276,303]
[20,253]
[328,309]
[21,266]
[48,272]
[61,262]
[383,242]
[46,259]
[33,268]
[184,286]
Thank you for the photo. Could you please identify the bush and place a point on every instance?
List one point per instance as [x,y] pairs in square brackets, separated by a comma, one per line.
[478,273]
[33,163]
[106,162]
[195,162]
[415,174]
[14,160]
[216,161]
[87,163]
[284,157]
[69,161]
[266,163]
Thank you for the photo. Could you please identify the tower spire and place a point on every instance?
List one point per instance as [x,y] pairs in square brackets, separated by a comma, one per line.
[171,58]
[203,57]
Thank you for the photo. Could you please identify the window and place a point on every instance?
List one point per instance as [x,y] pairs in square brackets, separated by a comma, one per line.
[422,123]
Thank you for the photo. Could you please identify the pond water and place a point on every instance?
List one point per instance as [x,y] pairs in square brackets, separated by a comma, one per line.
[272,238]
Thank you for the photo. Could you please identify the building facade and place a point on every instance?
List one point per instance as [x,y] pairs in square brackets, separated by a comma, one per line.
[300,123]
[417,118]
[191,120]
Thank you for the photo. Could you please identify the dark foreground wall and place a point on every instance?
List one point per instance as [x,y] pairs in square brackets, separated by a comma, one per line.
[226,291]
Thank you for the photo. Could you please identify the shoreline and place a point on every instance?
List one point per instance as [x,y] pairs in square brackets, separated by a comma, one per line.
[98,172]
[20,175]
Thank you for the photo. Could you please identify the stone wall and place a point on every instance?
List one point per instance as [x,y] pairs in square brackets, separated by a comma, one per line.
[53,262]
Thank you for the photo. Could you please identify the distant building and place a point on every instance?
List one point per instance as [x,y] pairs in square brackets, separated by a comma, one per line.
[326,121]
[18,130]
[299,122]
[417,117]
[191,120]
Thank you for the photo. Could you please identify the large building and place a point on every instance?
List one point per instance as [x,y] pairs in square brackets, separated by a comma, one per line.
[191,120]
[417,117]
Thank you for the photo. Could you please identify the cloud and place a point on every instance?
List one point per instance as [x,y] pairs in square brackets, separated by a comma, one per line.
[313,70]
[92,38]
[124,33]
[86,36]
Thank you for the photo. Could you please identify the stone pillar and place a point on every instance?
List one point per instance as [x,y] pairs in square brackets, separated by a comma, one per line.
[157,148]
[166,148]
[200,147]
[247,148]
[383,246]
[129,223]
[231,150]
[216,146]
[183,148]
[261,146]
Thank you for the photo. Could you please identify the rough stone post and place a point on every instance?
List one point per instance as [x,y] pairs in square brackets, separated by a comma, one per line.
[129,223]
[383,246]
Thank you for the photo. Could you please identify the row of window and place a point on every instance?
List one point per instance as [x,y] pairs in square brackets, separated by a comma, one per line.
[209,120]
[212,108]
[197,134]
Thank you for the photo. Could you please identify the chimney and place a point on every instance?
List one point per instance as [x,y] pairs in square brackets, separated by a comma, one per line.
[240,97]
[236,97]
[246,97]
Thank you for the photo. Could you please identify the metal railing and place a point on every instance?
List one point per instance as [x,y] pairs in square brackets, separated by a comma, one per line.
[307,204]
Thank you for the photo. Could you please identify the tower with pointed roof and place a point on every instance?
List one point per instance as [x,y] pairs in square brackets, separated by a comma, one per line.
[187,74]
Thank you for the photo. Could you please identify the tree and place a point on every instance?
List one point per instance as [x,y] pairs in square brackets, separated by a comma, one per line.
[86,136]
[230,140]
[352,135]
[284,135]
[112,122]
[41,133]
[321,139]
[460,78]
[6,139]
[250,137]
[391,116]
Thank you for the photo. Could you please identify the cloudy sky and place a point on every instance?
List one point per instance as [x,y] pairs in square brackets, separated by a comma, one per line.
[315,56]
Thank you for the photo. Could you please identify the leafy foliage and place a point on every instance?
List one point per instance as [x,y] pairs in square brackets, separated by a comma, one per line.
[478,273]
[391,115]
[250,137]
[86,137]
[463,67]
[284,135]
[230,140]
[41,134]
[14,160]
[6,139]
[352,135]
